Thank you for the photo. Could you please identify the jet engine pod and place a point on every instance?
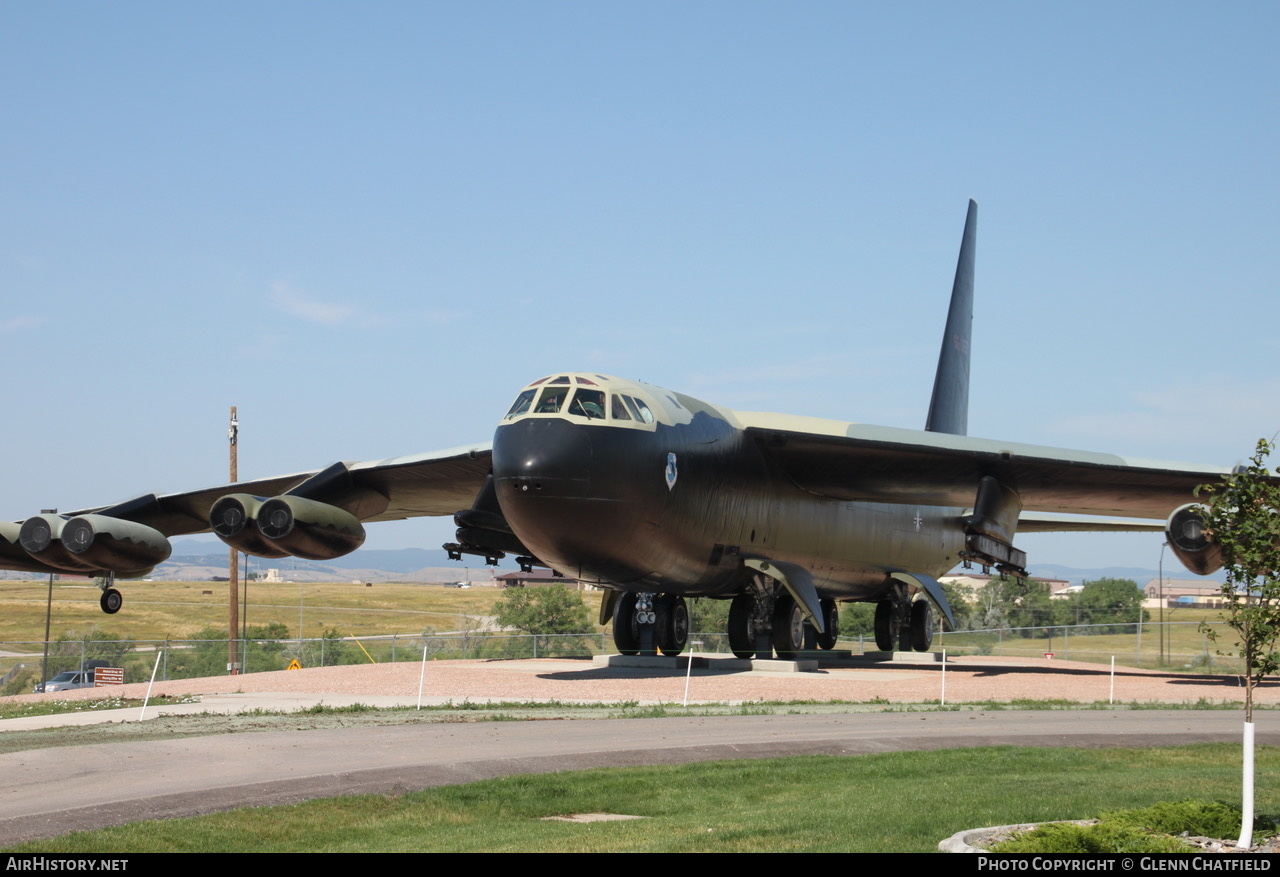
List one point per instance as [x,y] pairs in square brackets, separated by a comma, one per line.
[114,543]
[1189,541]
[41,537]
[309,529]
[234,520]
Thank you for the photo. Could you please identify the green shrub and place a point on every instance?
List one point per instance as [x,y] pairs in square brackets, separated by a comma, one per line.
[1194,816]
[1144,830]
[21,683]
[1066,837]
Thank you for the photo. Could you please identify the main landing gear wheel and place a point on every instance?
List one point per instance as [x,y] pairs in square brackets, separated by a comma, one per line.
[884,626]
[626,633]
[788,627]
[921,625]
[831,621]
[672,623]
[742,626]
[111,601]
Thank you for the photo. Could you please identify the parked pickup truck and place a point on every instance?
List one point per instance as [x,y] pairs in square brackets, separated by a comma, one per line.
[66,680]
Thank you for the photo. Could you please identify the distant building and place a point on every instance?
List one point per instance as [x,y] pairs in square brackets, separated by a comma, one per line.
[538,578]
[1183,592]
[973,583]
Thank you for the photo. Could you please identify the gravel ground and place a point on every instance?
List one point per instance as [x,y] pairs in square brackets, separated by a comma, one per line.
[975,679]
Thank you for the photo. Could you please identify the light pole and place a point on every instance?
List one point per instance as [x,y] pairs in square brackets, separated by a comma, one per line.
[48,617]
[233,622]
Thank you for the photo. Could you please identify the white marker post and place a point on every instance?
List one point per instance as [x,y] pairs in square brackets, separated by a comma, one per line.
[689,671]
[1246,819]
[422,675]
[142,715]
[943,700]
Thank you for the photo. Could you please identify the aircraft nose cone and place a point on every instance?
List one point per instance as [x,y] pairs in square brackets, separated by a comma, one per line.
[542,458]
[542,470]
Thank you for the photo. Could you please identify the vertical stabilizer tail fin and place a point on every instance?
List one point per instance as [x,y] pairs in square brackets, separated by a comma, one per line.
[949,408]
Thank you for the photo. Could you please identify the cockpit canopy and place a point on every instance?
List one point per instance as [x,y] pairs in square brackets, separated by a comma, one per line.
[591,397]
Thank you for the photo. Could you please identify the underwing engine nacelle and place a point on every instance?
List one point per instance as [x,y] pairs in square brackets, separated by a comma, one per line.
[41,537]
[234,520]
[285,525]
[115,544]
[1189,541]
[94,543]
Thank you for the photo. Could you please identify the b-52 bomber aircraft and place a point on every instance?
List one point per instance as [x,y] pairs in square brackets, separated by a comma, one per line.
[658,497]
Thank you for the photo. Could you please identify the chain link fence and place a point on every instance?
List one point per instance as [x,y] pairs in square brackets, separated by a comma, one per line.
[1174,646]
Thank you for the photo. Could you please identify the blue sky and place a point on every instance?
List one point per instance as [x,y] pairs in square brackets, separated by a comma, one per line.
[367,225]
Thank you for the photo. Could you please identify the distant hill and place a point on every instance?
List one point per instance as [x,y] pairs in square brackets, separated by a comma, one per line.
[204,558]
[394,560]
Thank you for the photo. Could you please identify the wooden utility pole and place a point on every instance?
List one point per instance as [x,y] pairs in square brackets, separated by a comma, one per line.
[233,436]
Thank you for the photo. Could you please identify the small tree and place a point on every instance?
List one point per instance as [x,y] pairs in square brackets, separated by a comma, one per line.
[708,616]
[544,611]
[1242,516]
[1116,603]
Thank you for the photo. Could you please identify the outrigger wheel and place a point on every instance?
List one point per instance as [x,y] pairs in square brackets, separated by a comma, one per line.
[111,601]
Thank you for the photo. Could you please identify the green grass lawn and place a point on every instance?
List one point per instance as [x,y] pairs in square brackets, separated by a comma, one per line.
[902,801]
[1184,645]
[175,610]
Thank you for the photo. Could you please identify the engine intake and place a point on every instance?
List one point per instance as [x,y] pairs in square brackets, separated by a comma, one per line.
[41,537]
[234,521]
[1190,542]
[285,525]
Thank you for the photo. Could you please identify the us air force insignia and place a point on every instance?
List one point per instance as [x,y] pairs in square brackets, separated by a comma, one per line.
[671,471]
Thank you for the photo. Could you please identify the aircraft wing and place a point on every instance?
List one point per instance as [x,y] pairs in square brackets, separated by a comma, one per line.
[861,463]
[1037,522]
[436,483]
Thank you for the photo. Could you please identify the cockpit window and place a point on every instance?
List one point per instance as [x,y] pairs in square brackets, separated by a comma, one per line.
[521,405]
[642,410]
[588,403]
[573,395]
[551,400]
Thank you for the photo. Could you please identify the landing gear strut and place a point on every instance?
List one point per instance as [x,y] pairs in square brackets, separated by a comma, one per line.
[904,623]
[766,619]
[644,624]
[111,599]
[751,620]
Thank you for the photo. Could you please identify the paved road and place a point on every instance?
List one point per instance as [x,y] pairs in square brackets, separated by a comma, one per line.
[52,791]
